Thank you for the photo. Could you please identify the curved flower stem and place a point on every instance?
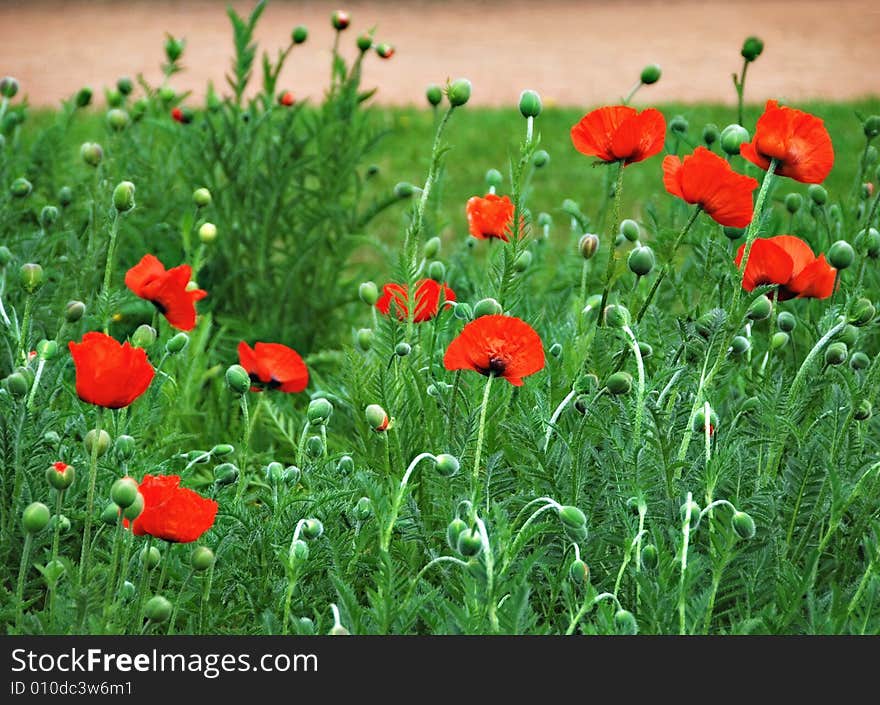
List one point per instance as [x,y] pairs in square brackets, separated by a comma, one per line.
[686,535]
[514,548]
[475,478]
[640,396]
[490,574]
[22,571]
[612,259]
[37,377]
[663,272]
[245,445]
[555,417]
[292,575]
[111,249]
[177,601]
[740,85]
[90,500]
[430,564]
[24,329]
[398,498]
[587,606]
[627,556]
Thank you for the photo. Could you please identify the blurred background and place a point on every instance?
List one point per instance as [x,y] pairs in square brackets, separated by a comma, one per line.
[574,52]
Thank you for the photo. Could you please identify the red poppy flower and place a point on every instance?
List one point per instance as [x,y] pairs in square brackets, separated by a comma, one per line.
[171,512]
[789,263]
[428,294]
[706,179]
[501,345]
[166,290]
[286,99]
[178,116]
[109,374]
[490,216]
[797,140]
[273,366]
[619,133]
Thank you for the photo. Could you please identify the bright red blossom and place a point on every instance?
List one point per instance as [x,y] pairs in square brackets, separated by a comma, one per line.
[109,374]
[619,133]
[428,297]
[503,346]
[789,263]
[490,216]
[166,290]
[171,512]
[273,366]
[707,180]
[286,99]
[177,115]
[797,140]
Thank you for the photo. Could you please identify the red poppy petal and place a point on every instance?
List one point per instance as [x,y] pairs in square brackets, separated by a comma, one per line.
[768,264]
[672,176]
[815,281]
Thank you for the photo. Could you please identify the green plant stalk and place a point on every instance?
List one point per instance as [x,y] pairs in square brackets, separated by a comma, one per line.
[612,251]
[142,585]
[686,536]
[640,398]
[587,606]
[19,585]
[56,539]
[111,249]
[489,558]
[114,563]
[292,576]
[25,329]
[740,85]
[515,546]
[37,377]
[245,444]
[177,601]
[481,430]
[90,500]
[398,498]
[206,595]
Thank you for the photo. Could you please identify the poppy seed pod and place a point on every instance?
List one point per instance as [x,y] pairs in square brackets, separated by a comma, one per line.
[91,153]
[368,293]
[760,309]
[778,340]
[650,74]
[588,245]
[578,571]
[630,229]
[458,92]
[836,354]
[377,418]
[101,439]
[437,271]
[530,104]
[201,197]
[434,94]
[225,474]
[862,312]
[60,475]
[650,557]
[453,531]
[678,124]
[616,316]
[237,379]
[207,233]
[117,119]
[144,336]
[319,411]
[21,188]
[817,194]
[74,311]
[150,557]
[30,276]
[365,338]
[177,344]
[8,87]
[711,134]
[572,516]
[110,515]
[625,623]
[859,361]
[641,261]
[487,307]
[786,321]
[694,510]
[733,137]
[48,216]
[793,202]
[35,517]
[123,196]
[541,158]
[446,465]
[124,491]
[469,543]
[619,383]
[158,609]
[743,525]
[841,254]
[202,558]
[862,411]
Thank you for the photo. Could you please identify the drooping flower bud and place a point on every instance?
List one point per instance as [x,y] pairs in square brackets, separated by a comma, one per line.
[836,354]
[530,104]
[201,197]
[616,316]
[319,411]
[699,422]
[779,340]
[625,623]
[377,418]
[579,572]
[522,261]
[124,492]
[487,307]
[299,551]
[314,446]
[437,271]
[572,516]
[384,51]
[711,134]
[862,312]
[365,338]
[841,254]
[630,229]
[649,556]
[74,311]
[110,514]
[786,321]
[21,188]
[678,124]
[434,94]
[540,160]
[650,74]
[402,349]
[863,410]
[118,119]
[35,517]
[368,293]
[733,233]
[641,261]
[91,153]
[619,383]
[793,202]
[312,529]
[454,531]
[144,336]
[458,92]
[48,217]
[225,474]
[859,361]
[849,335]
[47,350]
[743,525]
[238,380]
[60,475]
[101,440]
[177,344]
[733,137]
[363,510]
[760,309]
[694,512]
[817,194]
[469,543]
[345,465]
[446,465]
[150,558]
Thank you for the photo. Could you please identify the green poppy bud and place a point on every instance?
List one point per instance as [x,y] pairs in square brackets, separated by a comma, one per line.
[47,350]
[377,418]
[48,217]
[733,137]
[649,556]
[699,422]
[150,557]
[299,551]
[30,276]
[123,196]
[21,188]
[458,92]
[836,354]
[437,271]
[202,558]
[650,74]
[319,411]
[52,438]
[133,511]
[125,447]
[862,411]
[625,623]
[711,134]
[752,48]
[530,104]
[291,475]
[572,516]
[616,316]
[118,119]
[174,48]
[630,229]
[872,126]
[102,440]
[432,248]
[225,474]
[35,517]
[363,510]
[238,380]
[127,591]
[8,87]
[455,529]
[869,241]
[364,42]
[74,311]
[5,255]
[177,344]
[312,528]
[124,492]
[863,312]
[588,245]
[201,197]
[222,449]
[733,233]
[60,475]
[743,525]
[65,196]
[678,124]
[818,194]
[541,159]
[841,254]
[619,383]
[641,261]
[300,34]
[469,543]
[62,524]
[434,94]
[124,86]
[158,609]
[385,51]
[110,514]
[786,321]
[695,513]
[487,307]
[760,309]
[83,97]
[849,335]
[556,350]
[793,202]
[345,465]
[402,349]
[338,630]
[522,261]
[446,465]
[365,338]
[144,336]
[368,293]
[91,153]
[859,361]
[579,572]
[314,447]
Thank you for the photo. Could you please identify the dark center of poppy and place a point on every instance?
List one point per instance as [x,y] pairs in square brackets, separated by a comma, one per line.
[257,382]
[159,307]
[497,366]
